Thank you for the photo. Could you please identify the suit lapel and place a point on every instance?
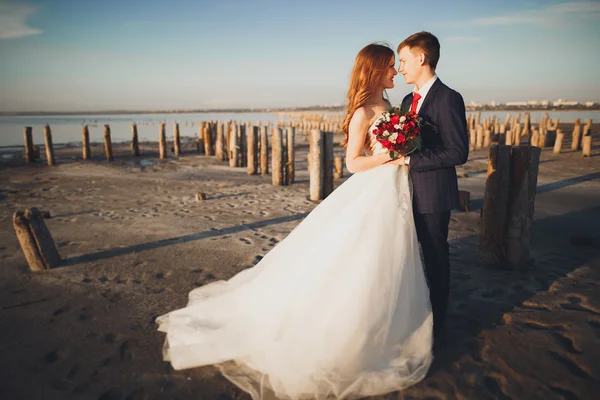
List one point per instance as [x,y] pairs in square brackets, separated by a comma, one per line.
[434,88]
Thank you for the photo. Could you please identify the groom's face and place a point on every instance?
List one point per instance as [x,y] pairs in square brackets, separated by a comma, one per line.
[410,64]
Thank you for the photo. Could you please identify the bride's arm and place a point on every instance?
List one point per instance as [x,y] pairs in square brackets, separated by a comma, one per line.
[356,140]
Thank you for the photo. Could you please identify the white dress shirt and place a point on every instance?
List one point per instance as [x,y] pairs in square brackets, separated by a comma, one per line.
[423,92]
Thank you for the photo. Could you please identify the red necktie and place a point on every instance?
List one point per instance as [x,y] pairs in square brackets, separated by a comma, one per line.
[415,101]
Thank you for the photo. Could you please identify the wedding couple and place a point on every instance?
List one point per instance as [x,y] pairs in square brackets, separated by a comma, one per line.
[343,307]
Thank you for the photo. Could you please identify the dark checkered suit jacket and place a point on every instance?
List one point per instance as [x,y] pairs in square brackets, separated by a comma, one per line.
[445,145]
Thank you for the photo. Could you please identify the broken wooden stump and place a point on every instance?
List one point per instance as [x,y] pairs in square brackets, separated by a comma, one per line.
[35,240]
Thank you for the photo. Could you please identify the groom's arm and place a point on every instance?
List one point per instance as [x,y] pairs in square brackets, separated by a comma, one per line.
[452,125]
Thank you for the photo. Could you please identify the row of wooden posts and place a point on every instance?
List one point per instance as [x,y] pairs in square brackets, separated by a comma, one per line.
[512,132]
[241,145]
[506,218]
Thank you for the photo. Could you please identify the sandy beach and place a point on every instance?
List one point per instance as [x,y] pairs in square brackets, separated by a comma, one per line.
[135,241]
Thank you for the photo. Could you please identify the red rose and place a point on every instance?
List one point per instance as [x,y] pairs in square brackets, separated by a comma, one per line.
[395,119]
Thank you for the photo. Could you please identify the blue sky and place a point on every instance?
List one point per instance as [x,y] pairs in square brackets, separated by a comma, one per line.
[149,54]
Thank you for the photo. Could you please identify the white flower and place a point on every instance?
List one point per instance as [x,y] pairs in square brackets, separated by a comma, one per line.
[393,137]
[402,118]
[385,134]
[397,126]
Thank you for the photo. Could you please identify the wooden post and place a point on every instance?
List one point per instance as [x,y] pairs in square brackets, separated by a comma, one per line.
[493,224]
[201,136]
[558,142]
[517,135]
[35,240]
[575,145]
[524,172]
[252,135]
[315,165]
[85,143]
[264,151]
[586,145]
[327,164]
[207,136]
[535,138]
[508,137]
[27,242]
[162,142]
[290,167]
[479,140]
[243,142]
[487,138]
[234,147]
[220,149]
[27,133]
[527,126]
[338,164]
[176,140]
[277,156]
[135,141]
[472,138]
[108,143]
[49,147]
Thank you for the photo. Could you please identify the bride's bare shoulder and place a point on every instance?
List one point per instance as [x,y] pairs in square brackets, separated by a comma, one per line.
[363,115]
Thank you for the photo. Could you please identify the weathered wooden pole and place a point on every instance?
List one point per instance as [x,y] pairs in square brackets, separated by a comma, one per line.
[264,151]
[234,149]
[35,240]
[487,138]
[521,203]
[27,242]
[535,138]
[243,142]
[575,145]
[338,165]
[201,137]
[28,135]
[315,165]
[327,164]
[220,149]
[208,147]
[472,138]
[493,224]
[586,146]
[558,142]
[252,135]
[135,141]
[162,141]
[49,146]
[508,137]
[479,140]
[85,143]
[277,156]
[108,143]
[290,162]
[176,140]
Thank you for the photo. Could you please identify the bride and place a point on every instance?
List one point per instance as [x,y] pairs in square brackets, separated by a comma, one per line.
[339,308]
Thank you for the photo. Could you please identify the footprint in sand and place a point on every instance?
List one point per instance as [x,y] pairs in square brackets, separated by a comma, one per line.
[244,240]
[571,365]
[567,342]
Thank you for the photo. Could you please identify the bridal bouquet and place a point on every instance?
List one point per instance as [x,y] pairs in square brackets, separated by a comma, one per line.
[399,133]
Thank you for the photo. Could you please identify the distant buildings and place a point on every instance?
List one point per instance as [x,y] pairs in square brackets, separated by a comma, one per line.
[533,105]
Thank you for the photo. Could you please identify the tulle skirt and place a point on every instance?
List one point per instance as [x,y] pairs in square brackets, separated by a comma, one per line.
[339,308]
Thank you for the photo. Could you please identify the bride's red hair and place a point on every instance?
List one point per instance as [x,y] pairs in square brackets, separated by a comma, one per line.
[370,63]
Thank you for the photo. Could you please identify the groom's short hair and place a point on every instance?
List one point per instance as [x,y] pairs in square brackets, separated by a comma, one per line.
[427,43]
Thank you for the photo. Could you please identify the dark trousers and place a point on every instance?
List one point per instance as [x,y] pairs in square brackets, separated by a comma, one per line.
[432,232]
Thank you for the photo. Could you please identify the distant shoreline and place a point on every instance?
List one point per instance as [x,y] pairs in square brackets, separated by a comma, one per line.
[260,110]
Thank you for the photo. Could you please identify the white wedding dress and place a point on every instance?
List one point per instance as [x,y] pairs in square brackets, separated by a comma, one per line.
[338,309]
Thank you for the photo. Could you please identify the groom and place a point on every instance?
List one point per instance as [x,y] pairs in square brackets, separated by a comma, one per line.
[432,170]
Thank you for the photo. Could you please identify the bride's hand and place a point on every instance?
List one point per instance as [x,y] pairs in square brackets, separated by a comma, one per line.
[399,161]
